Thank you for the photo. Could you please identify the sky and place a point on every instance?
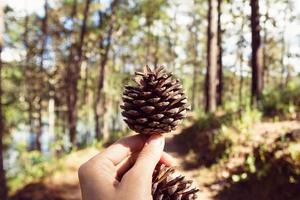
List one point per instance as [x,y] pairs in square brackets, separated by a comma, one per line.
[22,6]
[292,34]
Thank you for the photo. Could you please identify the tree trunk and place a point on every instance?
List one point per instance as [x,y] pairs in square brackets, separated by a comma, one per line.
[156,52]
[195,73]
[73,72]
[39,127]
[3,186]
[256,61]
[29,82]
[51,119]
[283,51]
[106,119]
[44,35]
[265,38]
[41,82]
[85,83]
[212,55]
[241,58]
[194,87]
[196,64]
[71,85]
[241,61]
[30,122]
[220,62]
[72,110]
[115,119]
[99,107]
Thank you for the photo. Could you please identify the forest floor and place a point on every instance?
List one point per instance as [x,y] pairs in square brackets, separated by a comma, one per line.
[210,179]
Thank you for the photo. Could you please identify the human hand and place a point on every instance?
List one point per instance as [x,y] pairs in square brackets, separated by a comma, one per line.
[123,170]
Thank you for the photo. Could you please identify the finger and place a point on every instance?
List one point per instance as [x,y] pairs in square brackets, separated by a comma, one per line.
[93,177]
[142,170]
[102,167]
[121,149]
[167,159]
[127,163]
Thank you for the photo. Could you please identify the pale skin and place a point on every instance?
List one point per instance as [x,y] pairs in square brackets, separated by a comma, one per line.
[123,170]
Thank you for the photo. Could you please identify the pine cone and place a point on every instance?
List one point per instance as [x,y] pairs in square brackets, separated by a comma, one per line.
[156,105]
[166,185]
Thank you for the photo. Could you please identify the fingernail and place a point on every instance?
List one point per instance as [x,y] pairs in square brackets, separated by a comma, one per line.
[156,140]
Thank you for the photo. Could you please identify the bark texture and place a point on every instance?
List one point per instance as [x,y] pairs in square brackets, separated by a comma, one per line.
[220,61]
[73,72]
[104,46]
[256,61]
[212,55]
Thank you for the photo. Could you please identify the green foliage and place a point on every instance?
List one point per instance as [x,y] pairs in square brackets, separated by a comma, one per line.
[32,166]
[12,99]
[294,150]
[282,101]
[264,160]
[213,138]
[247,119]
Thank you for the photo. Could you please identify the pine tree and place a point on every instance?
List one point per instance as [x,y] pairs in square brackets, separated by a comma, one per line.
[212,55]
[256,61]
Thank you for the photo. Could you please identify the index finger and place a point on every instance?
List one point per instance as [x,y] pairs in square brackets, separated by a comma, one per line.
[122,149]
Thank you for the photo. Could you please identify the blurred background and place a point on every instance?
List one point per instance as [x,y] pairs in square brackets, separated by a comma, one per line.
[64,63]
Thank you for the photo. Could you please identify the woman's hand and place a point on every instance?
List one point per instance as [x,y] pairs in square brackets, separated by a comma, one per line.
[124,170]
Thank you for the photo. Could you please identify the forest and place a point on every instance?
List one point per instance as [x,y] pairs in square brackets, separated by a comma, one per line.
[64,65]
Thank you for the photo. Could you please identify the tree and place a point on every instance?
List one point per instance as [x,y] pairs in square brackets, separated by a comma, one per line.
[3,188]
[220,61]
[285,69]
[104,46]
[241,45]
[28,71]
[266,70]
[193,47]
[72,75]
[212,55]
[256,60]
[41,71]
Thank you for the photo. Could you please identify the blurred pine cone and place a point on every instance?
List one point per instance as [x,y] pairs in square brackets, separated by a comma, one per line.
[156,105]
[166,185]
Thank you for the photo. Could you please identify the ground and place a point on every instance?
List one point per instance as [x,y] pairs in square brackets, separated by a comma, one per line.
[211,180]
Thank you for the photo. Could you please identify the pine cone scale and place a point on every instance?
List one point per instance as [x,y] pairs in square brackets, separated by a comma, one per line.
[166,185]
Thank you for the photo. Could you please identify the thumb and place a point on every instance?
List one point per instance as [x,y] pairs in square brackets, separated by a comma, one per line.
[147,160]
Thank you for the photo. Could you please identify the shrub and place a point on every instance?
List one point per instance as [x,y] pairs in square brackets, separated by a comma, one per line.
[282,101]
